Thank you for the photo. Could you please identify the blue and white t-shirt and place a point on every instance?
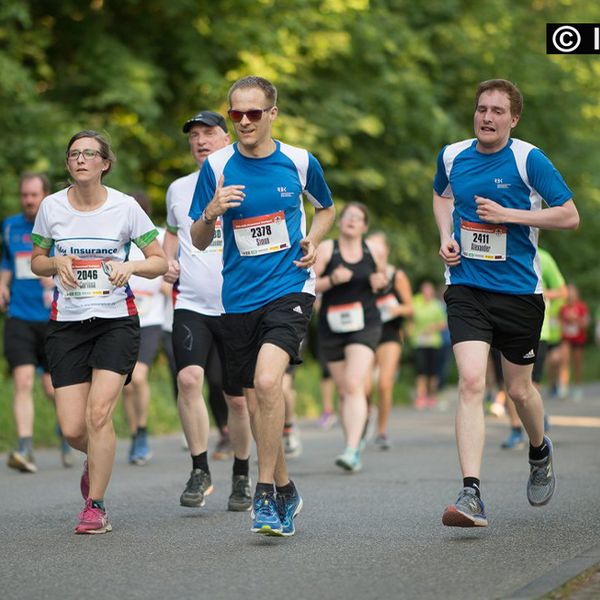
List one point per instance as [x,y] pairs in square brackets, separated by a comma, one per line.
[500,258]
[27,294]
[262,236]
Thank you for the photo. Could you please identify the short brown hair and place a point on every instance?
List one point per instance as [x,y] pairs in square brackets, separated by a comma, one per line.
[503,85]
[105,150]
[252,81]
[29,175]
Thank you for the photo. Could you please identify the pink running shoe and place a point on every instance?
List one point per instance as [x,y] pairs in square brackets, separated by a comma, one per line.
[92,520]
[327,420]
[84,484]
[420,402]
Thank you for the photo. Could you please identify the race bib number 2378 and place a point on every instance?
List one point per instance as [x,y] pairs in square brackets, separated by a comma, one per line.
[261,235]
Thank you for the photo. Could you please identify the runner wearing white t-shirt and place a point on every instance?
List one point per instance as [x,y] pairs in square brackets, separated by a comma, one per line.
[197,326]
[150,300]
[93,336]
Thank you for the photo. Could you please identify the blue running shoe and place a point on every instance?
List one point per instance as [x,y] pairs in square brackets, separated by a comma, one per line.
[141,453]
[514,441]
[265,518]
[289,506]
[468,511]
[133,449]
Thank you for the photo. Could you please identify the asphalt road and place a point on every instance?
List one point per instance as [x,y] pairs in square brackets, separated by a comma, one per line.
[372,535]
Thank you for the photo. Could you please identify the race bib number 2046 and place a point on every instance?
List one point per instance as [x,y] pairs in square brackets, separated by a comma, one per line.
[92,279]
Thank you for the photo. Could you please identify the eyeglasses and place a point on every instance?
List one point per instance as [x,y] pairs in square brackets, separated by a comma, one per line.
[88,154]
[254,114]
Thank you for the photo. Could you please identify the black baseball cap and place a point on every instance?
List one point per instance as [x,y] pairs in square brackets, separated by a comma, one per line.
[206,117]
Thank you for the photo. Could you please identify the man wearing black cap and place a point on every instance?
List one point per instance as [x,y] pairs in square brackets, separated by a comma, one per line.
[197,280]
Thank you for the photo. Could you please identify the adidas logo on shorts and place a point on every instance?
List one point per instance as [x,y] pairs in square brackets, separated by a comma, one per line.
[530,354]
[297,309]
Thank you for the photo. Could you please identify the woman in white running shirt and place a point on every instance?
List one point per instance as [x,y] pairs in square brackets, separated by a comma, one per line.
[93,336]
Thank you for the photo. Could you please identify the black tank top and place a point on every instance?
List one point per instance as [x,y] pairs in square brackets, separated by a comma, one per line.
[390,289]
[358,289]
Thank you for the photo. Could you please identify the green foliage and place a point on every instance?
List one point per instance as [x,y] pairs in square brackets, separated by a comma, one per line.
[374,88]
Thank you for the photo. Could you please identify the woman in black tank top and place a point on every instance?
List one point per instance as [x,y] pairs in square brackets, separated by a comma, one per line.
[395,304]
[348,277]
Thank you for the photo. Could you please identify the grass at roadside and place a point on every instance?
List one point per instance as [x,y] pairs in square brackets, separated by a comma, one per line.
[163,416]
[163,411]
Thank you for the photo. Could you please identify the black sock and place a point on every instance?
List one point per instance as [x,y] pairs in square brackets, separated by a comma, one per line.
[99,504]
[289,488]
[142,430]
[539,453]
[517,429]
[474,483]
[261,488]
[241,466]
[200,461]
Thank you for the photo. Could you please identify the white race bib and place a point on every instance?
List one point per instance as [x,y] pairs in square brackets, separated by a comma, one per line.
[261,235]
[92,277]
[346,318]
[570,329]
[23,266]
[386,304]
[482,241]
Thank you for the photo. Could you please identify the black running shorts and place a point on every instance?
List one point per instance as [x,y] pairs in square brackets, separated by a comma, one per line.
[283,323]
[24,343]
[390,332]
[74,348]
[150,338]
[510,323]
[334,344]
[193,338]
[427,361]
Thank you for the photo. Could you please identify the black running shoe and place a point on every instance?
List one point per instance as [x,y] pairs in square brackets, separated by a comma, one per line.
[542,482]
[468,511]
[240,499]
[199,485]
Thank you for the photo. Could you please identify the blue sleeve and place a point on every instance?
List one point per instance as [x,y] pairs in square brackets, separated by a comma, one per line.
[546,180]
[316,189]
[440,182]
[6,259]
[205,190]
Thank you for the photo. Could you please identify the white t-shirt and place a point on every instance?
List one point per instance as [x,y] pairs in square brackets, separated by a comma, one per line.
[94,237]
[149,299]
[200,278]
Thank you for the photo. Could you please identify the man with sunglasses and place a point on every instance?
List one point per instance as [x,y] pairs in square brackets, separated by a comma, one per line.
[487,201]
[255,187]
[197,327]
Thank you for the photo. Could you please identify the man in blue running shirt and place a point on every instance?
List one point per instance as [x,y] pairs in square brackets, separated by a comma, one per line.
[26,299]
[487,202]
[257,185]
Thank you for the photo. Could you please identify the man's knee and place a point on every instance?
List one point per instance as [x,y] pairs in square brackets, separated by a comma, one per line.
[266,383]
[190,380]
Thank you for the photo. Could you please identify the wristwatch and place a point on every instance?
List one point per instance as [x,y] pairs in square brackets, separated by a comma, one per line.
[205,219]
